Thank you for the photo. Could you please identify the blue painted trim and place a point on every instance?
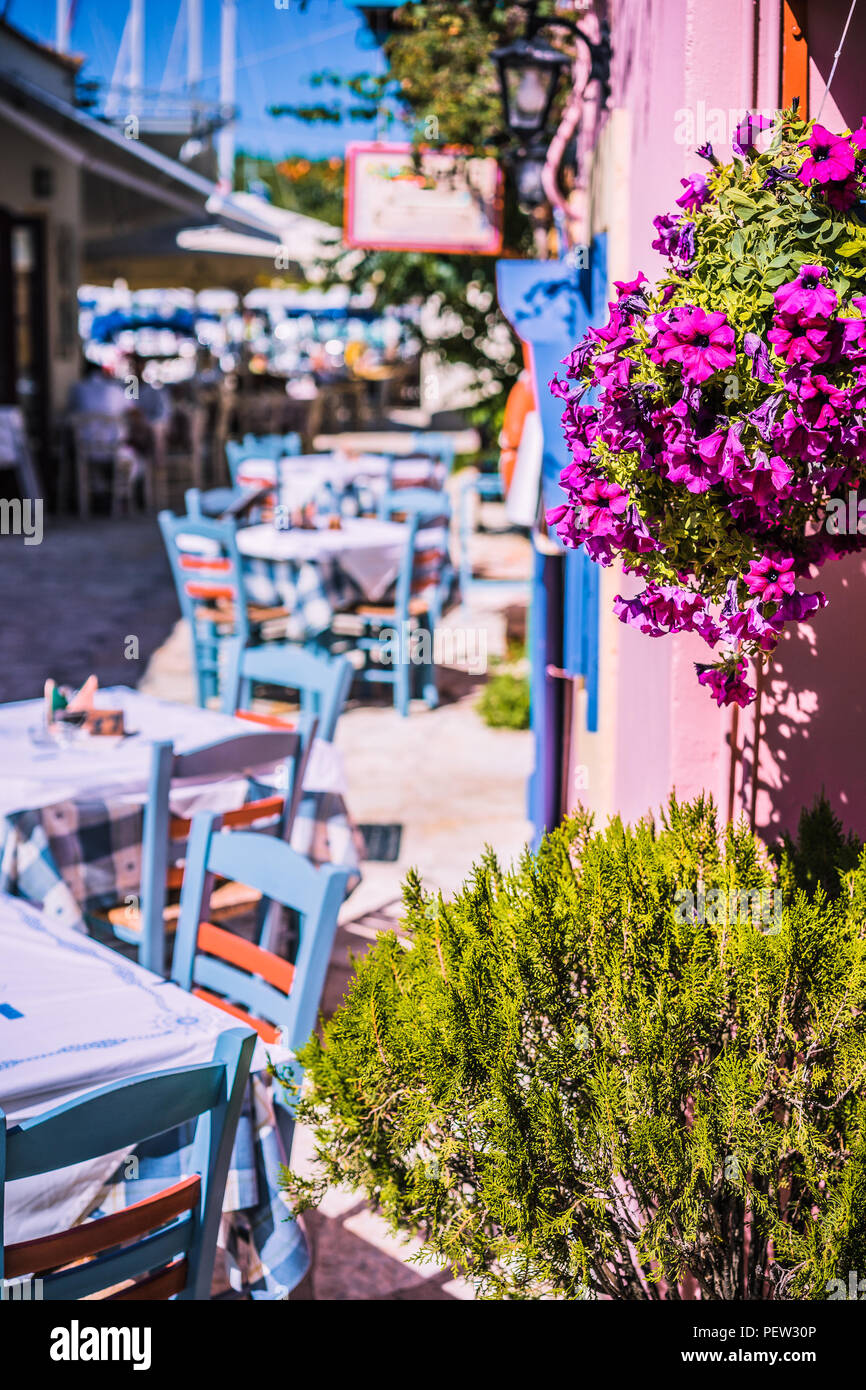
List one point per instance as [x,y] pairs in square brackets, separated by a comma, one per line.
[545,648]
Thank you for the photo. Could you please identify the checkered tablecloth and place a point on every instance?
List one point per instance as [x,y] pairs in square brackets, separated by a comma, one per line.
[260,1251]
[82,856]
[311,592]
[315,574]
[77,1015]
[71,818]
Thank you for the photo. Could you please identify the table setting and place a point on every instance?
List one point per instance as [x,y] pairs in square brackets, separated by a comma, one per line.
[71,809]
[318,571]
[76,1015]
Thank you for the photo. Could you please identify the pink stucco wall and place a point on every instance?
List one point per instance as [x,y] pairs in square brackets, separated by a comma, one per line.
[658,729]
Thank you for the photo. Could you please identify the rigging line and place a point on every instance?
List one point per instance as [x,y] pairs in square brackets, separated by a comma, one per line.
[262,57]
[308,42]
[836,59]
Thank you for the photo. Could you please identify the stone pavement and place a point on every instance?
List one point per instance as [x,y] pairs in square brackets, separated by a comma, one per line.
[450,783]
[69,604]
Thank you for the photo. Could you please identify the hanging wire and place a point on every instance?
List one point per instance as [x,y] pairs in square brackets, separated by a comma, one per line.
[836,59]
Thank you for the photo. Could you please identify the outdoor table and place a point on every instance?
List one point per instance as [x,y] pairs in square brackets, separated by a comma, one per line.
[75,1015]
[301,478]
[71,814]
[317,573]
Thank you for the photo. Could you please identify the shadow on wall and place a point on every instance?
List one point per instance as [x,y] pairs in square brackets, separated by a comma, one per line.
[814,733]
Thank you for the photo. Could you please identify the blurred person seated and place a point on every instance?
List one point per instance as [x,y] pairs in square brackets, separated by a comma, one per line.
[97,393]
[152,402]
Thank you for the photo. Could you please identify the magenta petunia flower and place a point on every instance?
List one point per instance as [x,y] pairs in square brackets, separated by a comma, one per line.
[807,297]
[830,159]
[668,229]
[625,288]
[747,132]
[766,480]
[770,578]
[749,624]
[796,341]
[842,196]
[702,343]
[727,682]
[859,136]
[696,192]
[602,504]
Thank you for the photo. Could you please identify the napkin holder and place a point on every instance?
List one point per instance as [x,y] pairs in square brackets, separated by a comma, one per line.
[75,709]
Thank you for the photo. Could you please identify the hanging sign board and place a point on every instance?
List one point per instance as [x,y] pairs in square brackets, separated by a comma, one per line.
[448,203]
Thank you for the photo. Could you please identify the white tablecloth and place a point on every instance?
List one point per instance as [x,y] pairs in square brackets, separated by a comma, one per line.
[301,477]
[70,815]
[367,550]
[75,1015]
[38,772]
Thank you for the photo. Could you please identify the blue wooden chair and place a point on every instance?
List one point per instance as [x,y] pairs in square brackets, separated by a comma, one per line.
[436,443]
[263,446]
[416,471]
[164,836]
[210,502]
[278,998]
[322,683]
[397,639]
[208,575]
[164,1246]
[275,446]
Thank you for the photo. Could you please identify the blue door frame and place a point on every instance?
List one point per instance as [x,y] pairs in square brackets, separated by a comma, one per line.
[550,305]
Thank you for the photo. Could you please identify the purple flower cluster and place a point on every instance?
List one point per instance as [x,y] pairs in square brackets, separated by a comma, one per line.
[661,430]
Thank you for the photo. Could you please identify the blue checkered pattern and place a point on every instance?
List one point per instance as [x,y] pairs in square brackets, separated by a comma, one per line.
[312,591]
[262,1250]
[80,857]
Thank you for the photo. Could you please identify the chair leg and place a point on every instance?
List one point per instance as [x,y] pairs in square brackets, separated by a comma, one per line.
[82,473]
[402,676]
[429,686]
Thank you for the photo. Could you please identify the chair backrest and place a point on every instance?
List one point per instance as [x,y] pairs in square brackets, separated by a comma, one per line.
[274,446]
[166,1243]
[240,755]
[427,561]
[434,442]
[322,683]
[277,998]
[416,471]
[208,576]
[237,452]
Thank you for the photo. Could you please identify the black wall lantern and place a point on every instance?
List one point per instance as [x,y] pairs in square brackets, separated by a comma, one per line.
[529,73]
[530,69]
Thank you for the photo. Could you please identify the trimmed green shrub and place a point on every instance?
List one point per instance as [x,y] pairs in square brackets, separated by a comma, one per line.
[606,1071]
[504,702]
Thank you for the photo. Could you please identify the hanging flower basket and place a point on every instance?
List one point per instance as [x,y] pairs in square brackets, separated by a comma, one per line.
[727,425]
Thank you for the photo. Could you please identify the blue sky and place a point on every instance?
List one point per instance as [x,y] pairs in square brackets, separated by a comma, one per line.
[278,49]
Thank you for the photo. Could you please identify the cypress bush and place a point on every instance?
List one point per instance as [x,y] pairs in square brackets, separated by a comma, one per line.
[605,1072]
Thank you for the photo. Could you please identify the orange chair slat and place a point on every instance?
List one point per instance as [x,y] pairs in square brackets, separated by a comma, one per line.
[93,1237]
[214,592]
[205,562]
[248,814]
[271,721]
[254,811]
[234,949]
[163,1284]
[266,1031]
